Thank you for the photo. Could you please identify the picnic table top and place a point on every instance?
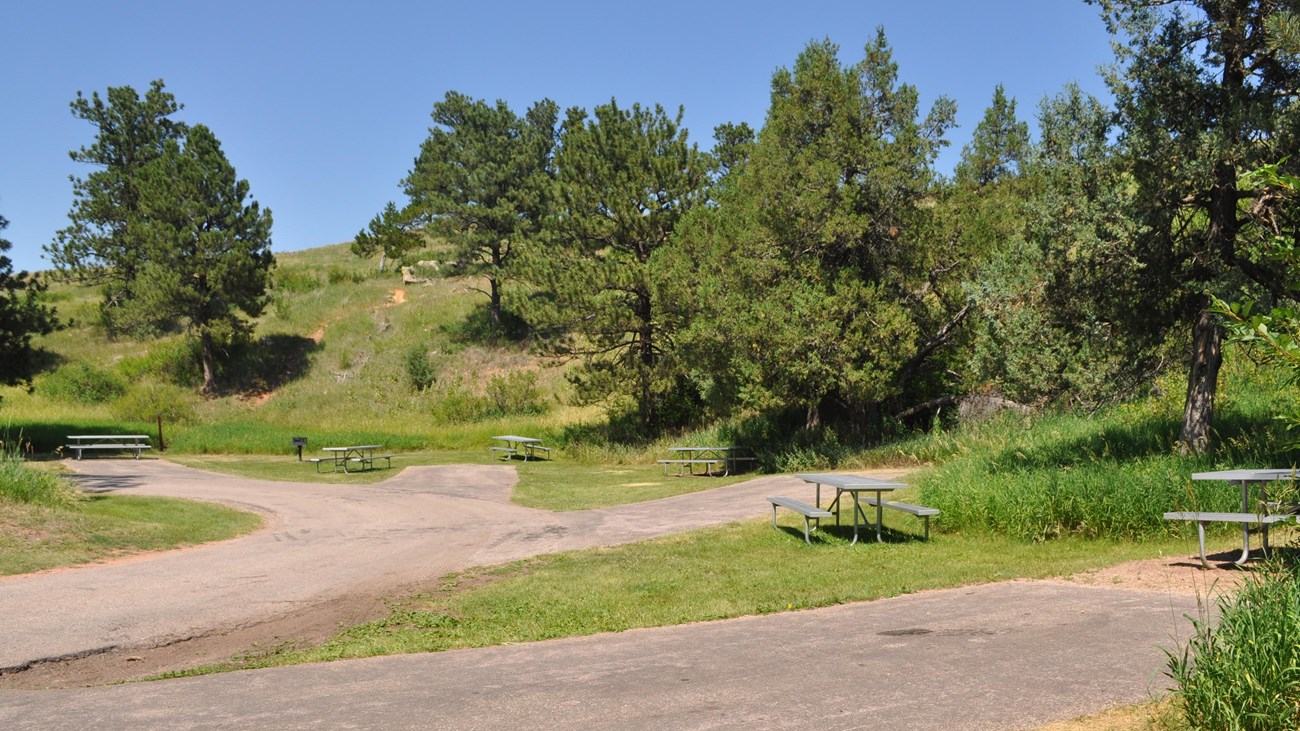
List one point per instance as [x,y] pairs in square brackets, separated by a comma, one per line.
[850,482]
[108,436]
[1248,475]
[707,449]
[517,439]
[348,449]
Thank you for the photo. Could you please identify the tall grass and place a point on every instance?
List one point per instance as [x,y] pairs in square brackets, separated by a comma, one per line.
[22,484]
[1113,474]
[1243,673]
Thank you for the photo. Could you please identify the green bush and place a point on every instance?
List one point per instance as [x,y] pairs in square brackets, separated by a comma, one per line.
[82,383]
[1244,673]
[174,361]
[420,371]
[296,280]
[22,484]
[149,400]
[515,394]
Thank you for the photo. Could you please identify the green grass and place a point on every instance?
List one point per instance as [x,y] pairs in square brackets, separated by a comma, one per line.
[736,570]
[1243,671]
[37,537]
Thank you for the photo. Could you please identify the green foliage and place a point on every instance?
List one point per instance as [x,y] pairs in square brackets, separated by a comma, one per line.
[420,370]
[174,361]
[392,234]
[146,401]
[83,383]
[625,177]
[998,147]
[483,182]
[22,484]
[515,394]
[1197,88]
[130,134]
[818,280]
[1242,673]
[23,313]
[205,250]
[1113,475]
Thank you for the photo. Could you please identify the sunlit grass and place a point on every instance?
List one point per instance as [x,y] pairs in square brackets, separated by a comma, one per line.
[36,537]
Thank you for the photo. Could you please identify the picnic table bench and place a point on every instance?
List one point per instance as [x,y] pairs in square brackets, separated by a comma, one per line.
[129,442]
[807,511]
[919,511]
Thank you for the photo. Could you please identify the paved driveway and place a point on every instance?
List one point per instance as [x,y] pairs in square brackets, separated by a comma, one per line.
[999,656]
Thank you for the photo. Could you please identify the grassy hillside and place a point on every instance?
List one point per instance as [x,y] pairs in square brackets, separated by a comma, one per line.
[331,362]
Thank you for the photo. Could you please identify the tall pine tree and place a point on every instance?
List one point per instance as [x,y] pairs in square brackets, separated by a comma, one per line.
[130,133]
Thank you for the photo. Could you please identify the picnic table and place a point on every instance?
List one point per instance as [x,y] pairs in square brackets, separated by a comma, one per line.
[130,442]
[512,446]
[854,485]
[1259,512]
[362,456]
[709,458]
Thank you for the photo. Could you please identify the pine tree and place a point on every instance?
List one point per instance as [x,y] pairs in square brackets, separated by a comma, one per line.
[482,182]
[625,177]
[131,132]
[205,251]
[22,315]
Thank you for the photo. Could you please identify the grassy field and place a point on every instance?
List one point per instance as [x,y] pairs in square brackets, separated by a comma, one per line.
[102,527]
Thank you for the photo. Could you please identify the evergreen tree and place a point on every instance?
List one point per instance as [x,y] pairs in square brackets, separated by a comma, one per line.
[391,234]
[1202,95]
[998,147]
[131,132]
[819,279]
[22,315]
[625,177]
[482,181]
[205,251]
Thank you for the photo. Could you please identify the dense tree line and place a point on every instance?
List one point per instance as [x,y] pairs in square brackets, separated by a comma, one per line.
[821,267]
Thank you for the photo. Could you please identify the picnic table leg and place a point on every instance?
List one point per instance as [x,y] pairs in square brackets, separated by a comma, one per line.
[1245,527]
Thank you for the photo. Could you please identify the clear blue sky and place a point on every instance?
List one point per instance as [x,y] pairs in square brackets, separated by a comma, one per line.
[322,105]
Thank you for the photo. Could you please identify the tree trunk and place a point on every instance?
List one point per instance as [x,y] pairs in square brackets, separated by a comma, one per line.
[383,259]
[208,357]
[1203,379]
[813,418]
[494,297]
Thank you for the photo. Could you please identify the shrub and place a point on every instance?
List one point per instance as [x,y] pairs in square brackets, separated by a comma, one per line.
[296,280]
[149,400]
[22,484]
[515,394]
[82,383]
[174,361]
[1244,673]
[420,371]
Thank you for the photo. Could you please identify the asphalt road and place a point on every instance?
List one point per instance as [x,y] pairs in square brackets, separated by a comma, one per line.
[1000,656]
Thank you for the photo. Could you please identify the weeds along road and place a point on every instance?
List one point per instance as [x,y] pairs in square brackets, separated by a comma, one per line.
[320,543]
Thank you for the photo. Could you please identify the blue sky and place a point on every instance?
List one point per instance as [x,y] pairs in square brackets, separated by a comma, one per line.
[322,105]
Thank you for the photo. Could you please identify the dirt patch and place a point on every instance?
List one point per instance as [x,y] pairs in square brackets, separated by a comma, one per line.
[397,297]
[300,629]
[1181,575]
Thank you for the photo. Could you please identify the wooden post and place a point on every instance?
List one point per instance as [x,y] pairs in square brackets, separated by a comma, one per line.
[161,445]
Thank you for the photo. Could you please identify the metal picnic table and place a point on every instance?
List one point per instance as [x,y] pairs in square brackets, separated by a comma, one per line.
[362,454]
[514,445]
[854,484]
[129,442]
